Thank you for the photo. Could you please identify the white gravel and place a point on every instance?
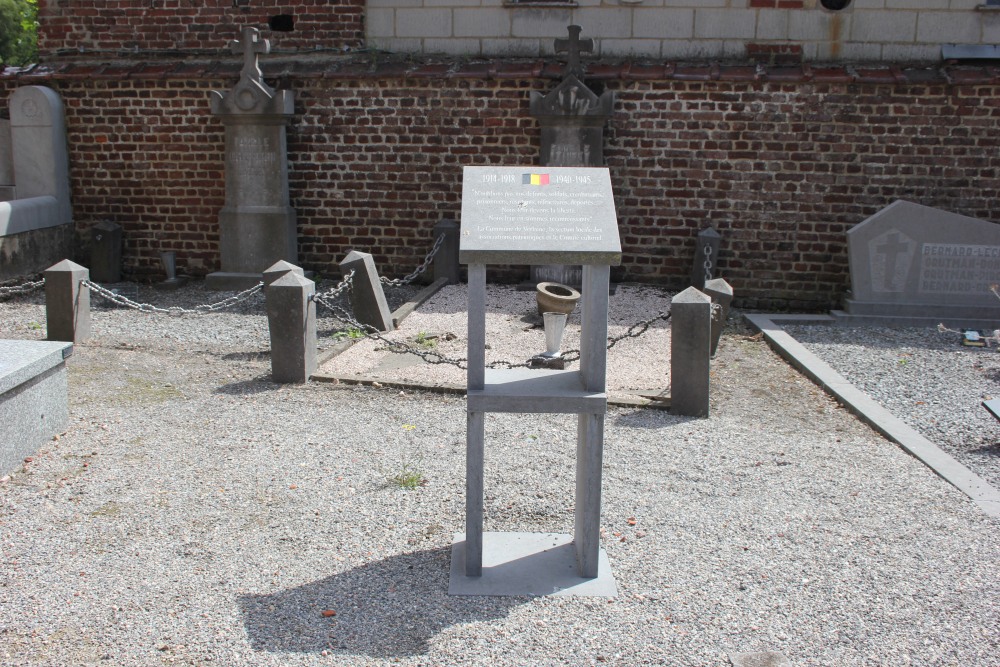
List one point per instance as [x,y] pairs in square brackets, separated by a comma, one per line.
[514,333]
[924,377]
[194,513]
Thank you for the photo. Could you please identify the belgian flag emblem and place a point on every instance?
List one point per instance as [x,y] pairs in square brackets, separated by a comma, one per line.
[534,179]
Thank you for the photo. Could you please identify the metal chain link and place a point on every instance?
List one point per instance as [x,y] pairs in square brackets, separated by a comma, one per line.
[173,310]
[708,263]
[25,288]
[406,280]
[334,292]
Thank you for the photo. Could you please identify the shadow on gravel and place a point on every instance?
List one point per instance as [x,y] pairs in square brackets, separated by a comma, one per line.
[644,418]
[384,609]
[258,385]
[247,356]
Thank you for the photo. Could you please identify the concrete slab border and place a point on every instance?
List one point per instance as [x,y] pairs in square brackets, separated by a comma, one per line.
[868,410]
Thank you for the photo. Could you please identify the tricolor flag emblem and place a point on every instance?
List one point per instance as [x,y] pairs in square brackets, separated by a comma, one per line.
[534,179]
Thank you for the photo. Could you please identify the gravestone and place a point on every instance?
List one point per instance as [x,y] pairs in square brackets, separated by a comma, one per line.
[916,265]
[572,119]
[33,397]
[257,223]
[535,216]
[35,212]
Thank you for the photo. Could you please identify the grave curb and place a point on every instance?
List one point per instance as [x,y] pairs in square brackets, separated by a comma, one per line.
[869,411]
[398,316]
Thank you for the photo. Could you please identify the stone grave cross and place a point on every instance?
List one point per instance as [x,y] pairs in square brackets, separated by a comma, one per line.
[257,223]
[574,46]
[249,46]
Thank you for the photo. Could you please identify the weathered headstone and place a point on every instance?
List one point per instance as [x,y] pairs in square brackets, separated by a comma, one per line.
[35,211]
[721,294]
[67,302]
[917,265]
[291,322]
[572,119]
[257,223]
[33,397]
[690,353]
[537,216]
[367,296]
[706,256]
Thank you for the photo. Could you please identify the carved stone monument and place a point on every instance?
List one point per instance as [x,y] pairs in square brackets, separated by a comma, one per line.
[257,223]
[572,118]
[913,265]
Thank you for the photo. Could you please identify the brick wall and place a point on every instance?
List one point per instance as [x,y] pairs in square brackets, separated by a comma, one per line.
[782,161]
[129,27]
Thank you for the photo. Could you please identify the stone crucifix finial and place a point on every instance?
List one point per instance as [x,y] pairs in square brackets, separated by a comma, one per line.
[574,46]
[250,45]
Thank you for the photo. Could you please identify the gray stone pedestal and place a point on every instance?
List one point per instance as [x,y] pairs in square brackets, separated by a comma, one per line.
[33,397]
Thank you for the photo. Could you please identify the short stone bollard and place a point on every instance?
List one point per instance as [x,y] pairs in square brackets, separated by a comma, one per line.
[690,347]
[706,257]
[67,302]
[446,263]
[367,297]
[721,294]
[279,269]
[291,321]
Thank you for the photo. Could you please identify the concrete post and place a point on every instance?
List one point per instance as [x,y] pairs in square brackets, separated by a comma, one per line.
[446,260]
[67,302]
[279,269]
[291,320]
[706,257]
[721,294]
[367,297]
[690,348]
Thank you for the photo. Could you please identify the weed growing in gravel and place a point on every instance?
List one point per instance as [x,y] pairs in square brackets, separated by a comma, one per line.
[410,477]
[425,340]
[351,334]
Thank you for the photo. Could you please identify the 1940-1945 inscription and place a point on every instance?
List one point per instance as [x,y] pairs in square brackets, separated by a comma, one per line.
[539,211]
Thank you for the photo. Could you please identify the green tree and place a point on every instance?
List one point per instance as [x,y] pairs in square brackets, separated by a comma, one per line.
[18,32]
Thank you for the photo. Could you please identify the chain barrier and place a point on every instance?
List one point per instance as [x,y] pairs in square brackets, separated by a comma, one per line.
[707,265]
[121,300]
[406,280]
[26,288]
[398,347]
[346,283]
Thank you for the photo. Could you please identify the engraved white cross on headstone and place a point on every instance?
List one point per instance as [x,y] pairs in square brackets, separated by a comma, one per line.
[574,46]
[250,45]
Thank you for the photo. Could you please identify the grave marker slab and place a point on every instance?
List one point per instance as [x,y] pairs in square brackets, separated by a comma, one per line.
[916,265]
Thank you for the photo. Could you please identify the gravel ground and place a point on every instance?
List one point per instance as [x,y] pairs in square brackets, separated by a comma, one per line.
[514,332]
[924,377]
[196,513]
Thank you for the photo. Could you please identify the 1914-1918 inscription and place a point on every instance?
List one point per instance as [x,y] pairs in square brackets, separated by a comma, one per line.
[536,215]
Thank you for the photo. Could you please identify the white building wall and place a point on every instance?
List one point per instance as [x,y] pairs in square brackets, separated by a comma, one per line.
[888,30]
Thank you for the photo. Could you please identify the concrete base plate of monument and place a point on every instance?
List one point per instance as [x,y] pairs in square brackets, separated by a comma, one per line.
[534,564]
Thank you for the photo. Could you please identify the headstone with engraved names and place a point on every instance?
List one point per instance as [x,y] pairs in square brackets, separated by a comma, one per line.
[916,265]
[256,223]
[572,119]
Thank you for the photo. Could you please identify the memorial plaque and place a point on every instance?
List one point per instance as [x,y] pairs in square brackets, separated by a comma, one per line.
[533,215]
[909,260]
